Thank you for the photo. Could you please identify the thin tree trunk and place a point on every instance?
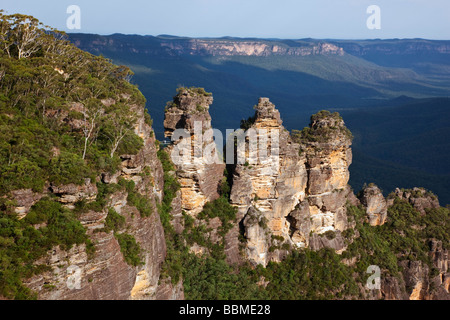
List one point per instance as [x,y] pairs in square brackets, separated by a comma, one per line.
[85,147]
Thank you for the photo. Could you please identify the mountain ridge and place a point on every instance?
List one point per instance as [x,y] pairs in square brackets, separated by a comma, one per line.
[299,86]
[93,207]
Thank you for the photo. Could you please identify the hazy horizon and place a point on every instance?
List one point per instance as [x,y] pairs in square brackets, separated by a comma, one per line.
[245,38]
[265,19]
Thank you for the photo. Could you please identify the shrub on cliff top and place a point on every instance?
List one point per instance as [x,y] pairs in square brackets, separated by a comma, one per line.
[321,134]
[194,90]
[323,114]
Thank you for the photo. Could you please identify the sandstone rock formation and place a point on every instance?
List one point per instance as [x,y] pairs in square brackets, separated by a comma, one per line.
[24,199]
[107,275]
[292,194]
[218,47]
[327,147]
[199,168]
[419,198]
[299,189]
[376,207]
[417,281]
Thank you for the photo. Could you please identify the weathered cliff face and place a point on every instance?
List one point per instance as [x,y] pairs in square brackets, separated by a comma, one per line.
[417,281]
[440,259]
[246,47]
[266,189]
[376,207]
[199,168]
[398,47]
[327,148]
[106,275]
[218,47]
[203,47]
[300,189]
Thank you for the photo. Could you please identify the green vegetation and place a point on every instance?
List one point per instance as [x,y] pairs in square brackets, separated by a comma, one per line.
[56,121]
[195,90]
[222,209]
[322,134]
[199,108]
[171,186]
[130,249]
[114,221]
[325,114]
[65,116]
[24,241]
[303,275]
[310,275]
[134,198]
[247,124]
[370,248]
[172,266]
[330,235]
[405,236]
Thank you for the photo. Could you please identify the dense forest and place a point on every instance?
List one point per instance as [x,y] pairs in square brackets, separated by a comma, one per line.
[57,127]
[54,129]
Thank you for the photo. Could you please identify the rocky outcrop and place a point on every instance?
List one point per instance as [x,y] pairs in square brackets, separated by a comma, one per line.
[376,206]
[417,281]
[327,147]
[106,275]
[333,240]
[266,189]
[392,288]
[217,47]
[24,199]
[199,168]
[441,282]
[419,198]
[173,46]
[299,189]
[72,193]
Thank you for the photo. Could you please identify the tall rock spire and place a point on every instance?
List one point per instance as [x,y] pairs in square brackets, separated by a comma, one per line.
[304,197]
[199,170]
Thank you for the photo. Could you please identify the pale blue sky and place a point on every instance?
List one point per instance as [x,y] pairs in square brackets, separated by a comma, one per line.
[344,19]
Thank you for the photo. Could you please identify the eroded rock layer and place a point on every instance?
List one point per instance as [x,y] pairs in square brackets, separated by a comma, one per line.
[194,154]
[299,189]
[107,275]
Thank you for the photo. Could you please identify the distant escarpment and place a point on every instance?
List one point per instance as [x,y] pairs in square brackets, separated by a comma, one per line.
[394,47]
[174,46]
[229,46]
[259,48]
